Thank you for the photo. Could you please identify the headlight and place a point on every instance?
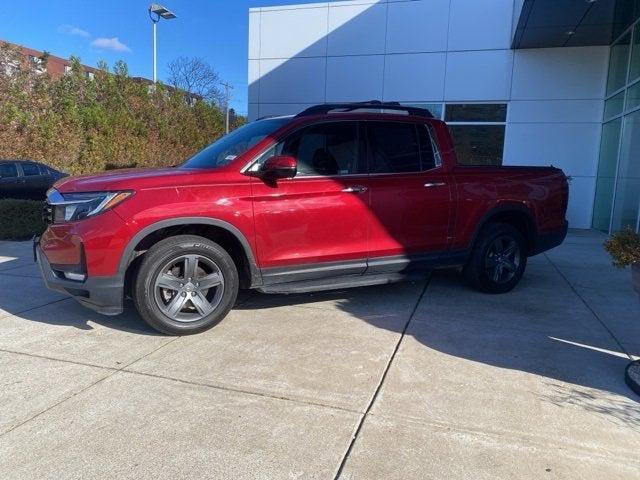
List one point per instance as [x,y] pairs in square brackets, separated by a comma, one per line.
[68,207]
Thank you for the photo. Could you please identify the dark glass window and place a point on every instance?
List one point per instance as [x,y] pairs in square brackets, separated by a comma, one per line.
[427,156]
[476,112]
[324,149]
[394,147]
[478,144]
[30,169]
[8,170]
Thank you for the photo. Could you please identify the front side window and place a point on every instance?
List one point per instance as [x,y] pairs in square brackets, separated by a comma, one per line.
[30,169]
[8,170]
[478,132]
[229,147]
[324,149]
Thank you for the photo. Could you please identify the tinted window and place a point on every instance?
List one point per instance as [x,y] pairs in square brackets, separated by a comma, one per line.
[427,157]
[324,149]
[478,144]
[476,112]
[394,147]
[30,169]
[8,170]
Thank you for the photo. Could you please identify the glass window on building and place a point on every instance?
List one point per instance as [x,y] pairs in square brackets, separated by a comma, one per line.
[607,167]
[618,63]
[627,194]
[434,108]
[478,132]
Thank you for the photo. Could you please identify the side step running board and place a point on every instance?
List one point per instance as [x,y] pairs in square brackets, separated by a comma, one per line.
[336,283]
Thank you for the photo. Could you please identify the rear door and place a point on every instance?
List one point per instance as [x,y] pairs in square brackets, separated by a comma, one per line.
[8,180]
[314,225]
[411,197]
[33,184]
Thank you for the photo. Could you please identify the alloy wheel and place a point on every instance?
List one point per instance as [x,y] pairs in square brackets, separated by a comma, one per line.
[502,259]
[188,288]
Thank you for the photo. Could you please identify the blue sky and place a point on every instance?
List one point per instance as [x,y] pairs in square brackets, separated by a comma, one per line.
[215,30]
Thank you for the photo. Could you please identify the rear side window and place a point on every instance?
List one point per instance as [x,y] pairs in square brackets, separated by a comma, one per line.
[324,149]
[394,147]
[8,170]
[30,169]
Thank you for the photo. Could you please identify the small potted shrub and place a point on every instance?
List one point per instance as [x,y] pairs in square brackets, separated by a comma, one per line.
[624,248]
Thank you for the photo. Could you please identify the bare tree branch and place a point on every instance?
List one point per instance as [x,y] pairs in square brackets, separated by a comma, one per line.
[196,77]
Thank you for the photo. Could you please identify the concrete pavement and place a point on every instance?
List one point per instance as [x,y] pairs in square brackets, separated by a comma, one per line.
[416,380]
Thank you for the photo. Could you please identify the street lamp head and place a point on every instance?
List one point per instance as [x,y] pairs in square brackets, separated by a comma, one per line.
[161,12]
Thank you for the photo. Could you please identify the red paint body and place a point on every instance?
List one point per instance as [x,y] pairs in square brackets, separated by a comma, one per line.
[310,220]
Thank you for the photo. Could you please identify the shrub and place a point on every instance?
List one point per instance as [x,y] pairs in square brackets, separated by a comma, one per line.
[624,247]
[81,125]
[20,219]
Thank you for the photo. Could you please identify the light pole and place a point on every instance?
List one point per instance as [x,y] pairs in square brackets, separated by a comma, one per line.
[156,12]
[227,96]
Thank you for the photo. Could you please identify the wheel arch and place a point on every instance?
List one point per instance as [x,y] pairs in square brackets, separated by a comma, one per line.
[516,215]
[230,237]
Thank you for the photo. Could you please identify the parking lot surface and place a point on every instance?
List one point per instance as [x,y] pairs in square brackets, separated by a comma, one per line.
[425,380]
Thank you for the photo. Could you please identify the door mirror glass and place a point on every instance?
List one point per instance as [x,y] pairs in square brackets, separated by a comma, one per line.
[279,166]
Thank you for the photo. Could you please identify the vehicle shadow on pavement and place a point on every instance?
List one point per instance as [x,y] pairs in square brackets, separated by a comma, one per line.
[537,329]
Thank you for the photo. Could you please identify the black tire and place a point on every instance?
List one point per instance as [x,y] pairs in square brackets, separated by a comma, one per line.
[169,301]
[482,269]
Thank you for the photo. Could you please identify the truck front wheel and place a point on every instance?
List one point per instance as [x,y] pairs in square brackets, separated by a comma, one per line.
[498,259]
[185,284]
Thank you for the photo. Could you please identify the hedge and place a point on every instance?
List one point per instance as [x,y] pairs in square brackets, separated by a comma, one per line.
[20,219]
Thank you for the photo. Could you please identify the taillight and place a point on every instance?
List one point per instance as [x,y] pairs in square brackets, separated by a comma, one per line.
[565,192]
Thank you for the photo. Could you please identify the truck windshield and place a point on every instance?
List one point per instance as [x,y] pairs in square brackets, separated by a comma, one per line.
[229,147]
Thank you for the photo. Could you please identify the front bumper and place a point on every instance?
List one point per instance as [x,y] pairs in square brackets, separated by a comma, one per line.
[102,294]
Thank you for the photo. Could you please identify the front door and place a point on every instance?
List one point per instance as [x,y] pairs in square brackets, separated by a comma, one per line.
[314,225]
[9,180]
[411,201]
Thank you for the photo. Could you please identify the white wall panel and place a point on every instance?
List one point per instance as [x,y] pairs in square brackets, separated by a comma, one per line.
[480,24]
[414,77]
[352,79]
[274,109]
[253,111]
[481,75]
[556,111]
[560,73]
[296,80]
[572,147]
[290,33]
[254,81]
[254,34]
[581,194]
[419,26]
[357,29]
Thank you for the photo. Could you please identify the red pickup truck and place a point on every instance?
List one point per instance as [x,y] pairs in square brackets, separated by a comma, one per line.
[337,196]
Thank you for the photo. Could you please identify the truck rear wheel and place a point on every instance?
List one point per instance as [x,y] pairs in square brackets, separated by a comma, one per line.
[498,259]
[185,284]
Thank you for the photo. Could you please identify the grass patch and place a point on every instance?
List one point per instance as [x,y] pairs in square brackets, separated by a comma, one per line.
[20,219]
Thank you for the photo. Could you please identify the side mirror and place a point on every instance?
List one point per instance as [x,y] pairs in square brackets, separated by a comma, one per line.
[279,166]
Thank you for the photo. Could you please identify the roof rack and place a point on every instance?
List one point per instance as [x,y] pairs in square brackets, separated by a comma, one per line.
[372,104]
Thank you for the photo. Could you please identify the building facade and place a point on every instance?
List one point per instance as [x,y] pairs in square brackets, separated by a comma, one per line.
[45,62]
[524,82]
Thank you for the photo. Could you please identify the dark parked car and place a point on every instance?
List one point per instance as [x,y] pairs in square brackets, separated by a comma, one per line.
[26,179]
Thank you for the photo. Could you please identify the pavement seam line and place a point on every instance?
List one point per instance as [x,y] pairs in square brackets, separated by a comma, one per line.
[597,317]
[242,391]
[378,388]
[10,314]
[100,380]
[54,359]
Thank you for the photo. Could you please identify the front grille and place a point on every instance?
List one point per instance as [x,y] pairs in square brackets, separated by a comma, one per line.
[47,213]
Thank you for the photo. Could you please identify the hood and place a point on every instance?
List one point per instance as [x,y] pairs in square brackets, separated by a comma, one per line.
[126,179]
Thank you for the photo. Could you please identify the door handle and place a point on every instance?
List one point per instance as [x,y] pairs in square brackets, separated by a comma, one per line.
[355,189]
[434,184]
